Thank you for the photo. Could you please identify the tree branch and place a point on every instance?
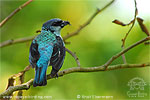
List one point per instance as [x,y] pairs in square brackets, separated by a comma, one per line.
[89,69]
[122,24]
[20,40]
[123,57]
[133,22]
[21,81]
[14,12]
[75,57]
[124,51]
[87,22]
[147,43]
[11,80]
[11,89]
[27,85]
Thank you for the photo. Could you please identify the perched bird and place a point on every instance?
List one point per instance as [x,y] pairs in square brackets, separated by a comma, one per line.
[47,49]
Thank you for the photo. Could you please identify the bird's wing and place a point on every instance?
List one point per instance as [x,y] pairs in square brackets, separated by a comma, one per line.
[34,54]
[58,55]
[45,51]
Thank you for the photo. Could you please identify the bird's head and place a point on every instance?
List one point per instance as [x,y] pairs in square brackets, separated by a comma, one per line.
[55,25]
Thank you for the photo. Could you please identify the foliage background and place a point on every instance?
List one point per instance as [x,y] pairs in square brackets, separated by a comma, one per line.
[94,46]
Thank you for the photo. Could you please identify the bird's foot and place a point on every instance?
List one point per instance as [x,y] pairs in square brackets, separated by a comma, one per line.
[54,76]
[57,76]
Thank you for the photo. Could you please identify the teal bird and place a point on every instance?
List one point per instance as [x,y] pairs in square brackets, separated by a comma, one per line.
[47,49]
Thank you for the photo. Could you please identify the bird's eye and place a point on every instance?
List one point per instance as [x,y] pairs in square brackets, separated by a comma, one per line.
[58,23]
[54,24]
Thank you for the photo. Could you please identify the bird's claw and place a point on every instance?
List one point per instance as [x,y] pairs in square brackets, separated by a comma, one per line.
[57,76]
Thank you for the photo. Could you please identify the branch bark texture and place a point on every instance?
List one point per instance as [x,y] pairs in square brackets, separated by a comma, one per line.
[27,85]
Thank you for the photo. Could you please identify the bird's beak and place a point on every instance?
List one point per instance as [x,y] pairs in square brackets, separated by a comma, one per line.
[66,23]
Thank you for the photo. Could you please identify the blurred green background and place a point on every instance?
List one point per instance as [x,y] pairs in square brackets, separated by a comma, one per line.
[94,46]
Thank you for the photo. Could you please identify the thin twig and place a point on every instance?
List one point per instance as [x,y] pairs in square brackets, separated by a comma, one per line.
[124,39]
[20,40]
[74,56]
[27,85]
[124,51]
[14,12]
[87,22]
[123,57]
[122,24]
[133,22]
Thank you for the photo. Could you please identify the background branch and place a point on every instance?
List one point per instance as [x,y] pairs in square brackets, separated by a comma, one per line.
[122,24]
[14,12]
[20,40]
[87,22]
[124,51]
[133,22]
[123,57]
[75,57]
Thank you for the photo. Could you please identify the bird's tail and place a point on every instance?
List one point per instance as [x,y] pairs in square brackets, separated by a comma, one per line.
[40,76]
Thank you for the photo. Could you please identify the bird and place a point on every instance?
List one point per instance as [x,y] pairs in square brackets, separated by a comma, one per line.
[47,49]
